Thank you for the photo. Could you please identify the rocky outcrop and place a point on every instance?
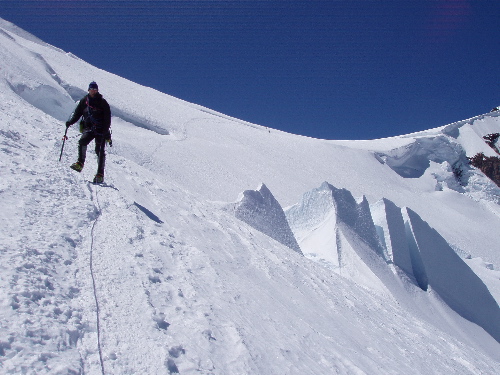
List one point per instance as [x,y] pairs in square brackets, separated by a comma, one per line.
[491,140]
[489,165]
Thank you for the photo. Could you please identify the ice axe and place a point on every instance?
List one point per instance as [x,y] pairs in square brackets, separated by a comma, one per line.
[64,141]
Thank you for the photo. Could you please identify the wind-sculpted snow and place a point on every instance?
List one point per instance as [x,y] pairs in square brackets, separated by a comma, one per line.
[318,206]
[260,210]
[328,218]
[424,255]
[334,229]
[443,154]
[47,99]
[141,123]
[396,234]
[451,278]
[412,161]
[57,98]
[34,80]
[17,31]
[479,124]
[391,230]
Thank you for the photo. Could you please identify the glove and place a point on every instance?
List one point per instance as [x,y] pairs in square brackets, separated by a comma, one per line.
[68,124]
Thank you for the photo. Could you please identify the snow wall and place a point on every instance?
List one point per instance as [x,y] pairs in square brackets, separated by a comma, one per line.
[363,242]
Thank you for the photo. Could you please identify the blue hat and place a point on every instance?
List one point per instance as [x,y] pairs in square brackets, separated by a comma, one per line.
[93,85]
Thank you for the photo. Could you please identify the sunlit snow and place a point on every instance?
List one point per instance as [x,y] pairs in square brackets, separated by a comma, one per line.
[216,246]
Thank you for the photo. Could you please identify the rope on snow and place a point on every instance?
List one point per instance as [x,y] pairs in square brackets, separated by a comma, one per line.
[94,283]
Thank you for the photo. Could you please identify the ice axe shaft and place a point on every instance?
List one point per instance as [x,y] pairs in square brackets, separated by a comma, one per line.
[64,141]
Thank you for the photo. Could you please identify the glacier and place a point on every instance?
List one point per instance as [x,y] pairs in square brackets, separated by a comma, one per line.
[351,257]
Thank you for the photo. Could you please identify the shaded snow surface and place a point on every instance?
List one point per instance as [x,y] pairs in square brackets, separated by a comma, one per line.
[260,210]
[156,272]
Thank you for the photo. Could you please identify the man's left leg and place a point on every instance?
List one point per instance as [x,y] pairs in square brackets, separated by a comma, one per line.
[100,144]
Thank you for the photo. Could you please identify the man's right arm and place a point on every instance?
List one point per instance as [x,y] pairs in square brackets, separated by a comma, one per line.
[77,113]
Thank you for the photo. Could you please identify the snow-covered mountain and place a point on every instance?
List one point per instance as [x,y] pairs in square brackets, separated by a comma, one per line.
[217,246]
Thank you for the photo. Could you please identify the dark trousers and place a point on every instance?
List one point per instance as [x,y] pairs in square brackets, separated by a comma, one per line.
[100,144]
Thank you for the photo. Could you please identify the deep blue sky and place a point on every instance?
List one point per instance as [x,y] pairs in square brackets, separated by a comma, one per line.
[327,69]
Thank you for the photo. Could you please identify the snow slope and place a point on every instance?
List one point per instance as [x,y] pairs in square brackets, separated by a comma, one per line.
[352,257]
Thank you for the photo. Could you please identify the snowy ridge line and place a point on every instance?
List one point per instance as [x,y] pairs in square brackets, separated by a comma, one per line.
[223,116]
[11,28]
[94,284]
[448,127]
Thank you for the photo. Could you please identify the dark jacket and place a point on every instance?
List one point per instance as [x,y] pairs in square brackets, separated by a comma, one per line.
[95,112]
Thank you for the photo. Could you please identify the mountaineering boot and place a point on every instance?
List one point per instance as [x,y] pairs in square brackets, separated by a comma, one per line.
[99,178]
[77,166]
